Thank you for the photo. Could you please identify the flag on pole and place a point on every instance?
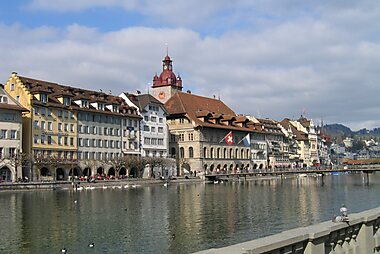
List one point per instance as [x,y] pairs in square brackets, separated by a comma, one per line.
[246,140]
[228,138]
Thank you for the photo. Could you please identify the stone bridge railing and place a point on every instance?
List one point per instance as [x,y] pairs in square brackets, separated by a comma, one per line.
[361,235]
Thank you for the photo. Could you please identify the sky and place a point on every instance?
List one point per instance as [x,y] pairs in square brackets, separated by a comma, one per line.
[271,59]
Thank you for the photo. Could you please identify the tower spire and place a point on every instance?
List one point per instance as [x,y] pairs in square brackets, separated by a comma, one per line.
[167,49]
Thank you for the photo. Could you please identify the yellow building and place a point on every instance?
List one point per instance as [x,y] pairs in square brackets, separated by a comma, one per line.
[50,127]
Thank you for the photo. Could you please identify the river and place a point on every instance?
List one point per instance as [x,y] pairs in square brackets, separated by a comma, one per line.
[180,218]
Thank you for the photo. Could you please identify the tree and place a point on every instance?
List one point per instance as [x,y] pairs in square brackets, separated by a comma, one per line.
[18,160]
[138,164]
[357,145]
[118,162]
[153,163]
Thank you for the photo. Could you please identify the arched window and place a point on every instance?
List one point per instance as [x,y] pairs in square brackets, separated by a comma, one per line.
[212,153]
[248,154]
[225,153]
[242,153]
[191,152]
[237,153]
[182,152]
[231,153]
[218,153]
[205,152]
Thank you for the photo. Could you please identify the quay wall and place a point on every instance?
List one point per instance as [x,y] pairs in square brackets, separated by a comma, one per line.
[360,235]
[53,185]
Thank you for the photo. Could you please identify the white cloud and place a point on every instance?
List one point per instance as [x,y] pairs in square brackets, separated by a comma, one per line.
[312,56]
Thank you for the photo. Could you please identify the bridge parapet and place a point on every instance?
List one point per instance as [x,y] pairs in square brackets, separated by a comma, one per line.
[361,235]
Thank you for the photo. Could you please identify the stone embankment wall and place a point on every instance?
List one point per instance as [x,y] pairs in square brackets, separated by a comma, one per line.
[360,235]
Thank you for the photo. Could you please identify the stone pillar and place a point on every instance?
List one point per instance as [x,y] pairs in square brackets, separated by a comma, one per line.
[365,239]
[315,246]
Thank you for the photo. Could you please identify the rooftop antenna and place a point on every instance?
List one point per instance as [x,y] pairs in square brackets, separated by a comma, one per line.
[303,113]
[167,49]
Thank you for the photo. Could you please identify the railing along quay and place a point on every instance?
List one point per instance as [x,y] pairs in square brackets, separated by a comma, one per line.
[360,235]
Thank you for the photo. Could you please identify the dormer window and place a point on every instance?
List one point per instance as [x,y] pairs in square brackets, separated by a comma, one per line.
[43,97]
[66,101]
[100,106]
[3,99]
[84,104]
[115,108]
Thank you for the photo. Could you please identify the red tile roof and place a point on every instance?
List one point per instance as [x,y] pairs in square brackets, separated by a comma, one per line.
[196,107]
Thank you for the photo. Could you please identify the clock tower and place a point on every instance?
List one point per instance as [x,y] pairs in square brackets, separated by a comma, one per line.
[167,84]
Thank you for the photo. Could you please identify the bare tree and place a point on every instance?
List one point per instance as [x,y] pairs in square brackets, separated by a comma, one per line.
[18,160]
[153,163]
[117,163]
[137,163]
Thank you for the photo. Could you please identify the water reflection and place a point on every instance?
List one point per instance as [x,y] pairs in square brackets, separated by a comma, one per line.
[182,218]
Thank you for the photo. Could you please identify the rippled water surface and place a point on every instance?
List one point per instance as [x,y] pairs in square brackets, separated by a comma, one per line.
[182,218]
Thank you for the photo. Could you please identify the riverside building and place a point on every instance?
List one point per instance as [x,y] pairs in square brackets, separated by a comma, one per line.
[10,138]
[69,127]
[154,131]
[205,134]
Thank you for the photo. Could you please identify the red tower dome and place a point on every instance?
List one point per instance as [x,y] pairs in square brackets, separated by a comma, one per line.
[167,76]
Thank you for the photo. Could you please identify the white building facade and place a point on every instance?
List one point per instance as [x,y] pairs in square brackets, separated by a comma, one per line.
[10,137]
[153,126]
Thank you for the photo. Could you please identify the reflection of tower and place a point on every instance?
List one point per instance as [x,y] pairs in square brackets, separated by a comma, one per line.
[167,84]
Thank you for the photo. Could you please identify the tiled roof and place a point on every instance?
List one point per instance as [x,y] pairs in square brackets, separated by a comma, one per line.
[299,135]
[142,100]
[55,91]
[196,107]
[268,126]
[12,107]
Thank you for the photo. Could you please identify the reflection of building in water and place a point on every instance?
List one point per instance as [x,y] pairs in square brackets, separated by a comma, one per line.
[308,197]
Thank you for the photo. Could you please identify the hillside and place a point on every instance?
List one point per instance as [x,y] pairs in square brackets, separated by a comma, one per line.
[339,131]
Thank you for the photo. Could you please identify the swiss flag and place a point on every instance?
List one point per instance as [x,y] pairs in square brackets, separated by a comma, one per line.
[229,139]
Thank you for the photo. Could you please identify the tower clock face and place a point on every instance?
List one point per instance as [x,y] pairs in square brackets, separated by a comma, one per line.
[161,95]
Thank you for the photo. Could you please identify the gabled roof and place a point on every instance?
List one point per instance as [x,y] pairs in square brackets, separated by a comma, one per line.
[194,107]
[11,104]
[142,100]
[304,121]
[299,135]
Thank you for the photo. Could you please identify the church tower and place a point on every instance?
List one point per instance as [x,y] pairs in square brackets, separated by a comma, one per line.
[167,84]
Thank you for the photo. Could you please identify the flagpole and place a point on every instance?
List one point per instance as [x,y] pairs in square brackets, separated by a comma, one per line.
[224,137]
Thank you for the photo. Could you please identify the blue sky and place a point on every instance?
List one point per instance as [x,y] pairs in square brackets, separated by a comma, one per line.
[267,58]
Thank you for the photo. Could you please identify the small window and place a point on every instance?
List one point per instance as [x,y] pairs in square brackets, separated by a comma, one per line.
[12,87]
[43,97]
[66,101]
